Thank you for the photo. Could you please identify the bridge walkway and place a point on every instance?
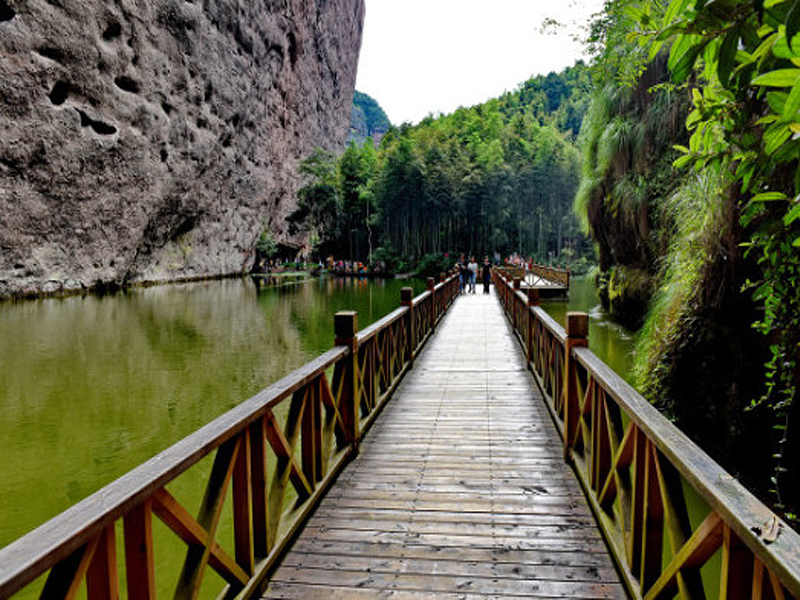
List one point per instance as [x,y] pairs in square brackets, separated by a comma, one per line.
[460,489]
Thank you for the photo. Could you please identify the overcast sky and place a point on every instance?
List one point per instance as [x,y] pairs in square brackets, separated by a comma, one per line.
[432,56]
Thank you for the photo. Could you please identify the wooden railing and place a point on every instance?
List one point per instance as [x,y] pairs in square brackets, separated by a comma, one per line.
[277,453]
[552,274]
[676,523]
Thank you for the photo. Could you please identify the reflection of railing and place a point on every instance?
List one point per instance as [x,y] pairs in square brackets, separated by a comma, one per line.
[675,521]
[277,453]
[552,274]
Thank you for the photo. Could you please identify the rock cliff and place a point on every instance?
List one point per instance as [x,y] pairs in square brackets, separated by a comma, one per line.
[154,141]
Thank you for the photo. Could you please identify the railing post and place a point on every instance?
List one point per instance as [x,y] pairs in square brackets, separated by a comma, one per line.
[577,333]
[432,305]
[515,309]
[533,297]
[407,300]
[345,325]
[533,300]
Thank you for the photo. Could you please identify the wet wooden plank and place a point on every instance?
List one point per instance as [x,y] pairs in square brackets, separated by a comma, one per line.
[454,568]
[517,557]
[460,489]
[435,583]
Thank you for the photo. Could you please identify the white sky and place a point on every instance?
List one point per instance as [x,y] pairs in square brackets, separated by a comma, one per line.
[431,56]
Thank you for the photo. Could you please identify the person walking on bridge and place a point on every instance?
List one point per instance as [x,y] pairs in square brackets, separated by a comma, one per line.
[473,273]
[463,273]
[486,274]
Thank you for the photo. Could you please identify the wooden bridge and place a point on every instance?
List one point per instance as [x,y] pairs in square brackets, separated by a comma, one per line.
[479,479]
[460,488]
[549,282]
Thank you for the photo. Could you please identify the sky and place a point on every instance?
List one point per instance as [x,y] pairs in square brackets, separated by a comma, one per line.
[421,57]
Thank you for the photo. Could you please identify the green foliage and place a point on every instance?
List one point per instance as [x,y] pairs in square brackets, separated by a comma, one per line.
[627,140]
[267,245]
[318,209]
[494,177]
[431,265]
[368,120]
[695,214]
[357,168]
[746,118]
[559,99]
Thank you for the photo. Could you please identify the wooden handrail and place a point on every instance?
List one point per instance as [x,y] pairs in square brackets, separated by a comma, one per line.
[384,322]
[324,420]
[665,507]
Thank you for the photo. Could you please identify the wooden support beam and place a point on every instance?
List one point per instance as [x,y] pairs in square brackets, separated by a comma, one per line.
[242,532]
[653,521]
[346,373]
[66,577]
[736,573]
[577,332]
[139,564]
[177,518]
[704,542]
[637,500]
[262,544]
[208,518]
[102,580]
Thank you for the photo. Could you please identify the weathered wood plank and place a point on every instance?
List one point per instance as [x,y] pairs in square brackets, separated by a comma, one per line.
[436,583]
[463,554]
[454,568]
[460,488]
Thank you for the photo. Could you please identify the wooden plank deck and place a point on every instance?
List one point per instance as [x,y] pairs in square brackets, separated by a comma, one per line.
[460,489]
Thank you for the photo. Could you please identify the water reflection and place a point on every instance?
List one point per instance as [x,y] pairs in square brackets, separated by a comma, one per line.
[92,386]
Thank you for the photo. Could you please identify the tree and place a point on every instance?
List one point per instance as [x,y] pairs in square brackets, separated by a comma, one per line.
[318,209]
[356,173]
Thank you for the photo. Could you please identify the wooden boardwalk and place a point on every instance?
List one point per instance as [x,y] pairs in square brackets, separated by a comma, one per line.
[460,489]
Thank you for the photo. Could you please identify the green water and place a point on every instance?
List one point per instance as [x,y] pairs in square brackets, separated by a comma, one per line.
[92,386]
[610,341]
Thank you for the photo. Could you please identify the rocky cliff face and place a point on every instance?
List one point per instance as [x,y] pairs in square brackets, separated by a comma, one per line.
[153,141]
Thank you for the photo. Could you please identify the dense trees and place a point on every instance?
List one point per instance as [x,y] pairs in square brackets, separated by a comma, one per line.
[497,177]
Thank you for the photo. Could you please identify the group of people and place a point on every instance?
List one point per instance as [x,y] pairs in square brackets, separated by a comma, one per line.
[468,274]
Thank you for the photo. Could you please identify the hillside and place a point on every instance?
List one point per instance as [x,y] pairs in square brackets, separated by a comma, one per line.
[368,120]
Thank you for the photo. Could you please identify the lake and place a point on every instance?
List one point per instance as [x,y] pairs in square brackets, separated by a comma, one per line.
[91,386]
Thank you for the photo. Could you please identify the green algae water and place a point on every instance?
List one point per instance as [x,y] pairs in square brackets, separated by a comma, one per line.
[610,341]
[92,386]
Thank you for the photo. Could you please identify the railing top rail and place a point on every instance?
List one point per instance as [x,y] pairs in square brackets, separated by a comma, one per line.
[421,298]
[550,324]
[366,333]
[739,508]
[75,526]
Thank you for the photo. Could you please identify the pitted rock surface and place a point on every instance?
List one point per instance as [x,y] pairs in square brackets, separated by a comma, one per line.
[154,141]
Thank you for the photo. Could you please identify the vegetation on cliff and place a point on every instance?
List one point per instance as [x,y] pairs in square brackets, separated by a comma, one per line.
[719,347]
[368,120]
[627,176]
